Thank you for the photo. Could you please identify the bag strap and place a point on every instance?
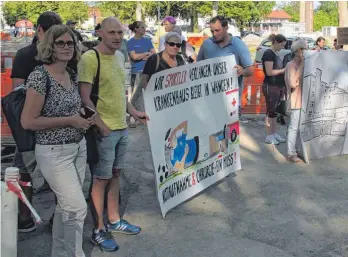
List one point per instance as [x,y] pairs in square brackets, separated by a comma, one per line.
[183,49]
[95,86]
[48,84]
[157,62]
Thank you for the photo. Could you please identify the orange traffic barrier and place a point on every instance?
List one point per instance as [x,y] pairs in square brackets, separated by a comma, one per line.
[6,87]
[196,41]
[4,36]
[7,59]
[253,100]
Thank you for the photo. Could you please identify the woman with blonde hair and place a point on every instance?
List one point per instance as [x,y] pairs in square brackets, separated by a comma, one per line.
[53,110]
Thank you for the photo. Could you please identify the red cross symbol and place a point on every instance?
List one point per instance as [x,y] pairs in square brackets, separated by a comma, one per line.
[234,102]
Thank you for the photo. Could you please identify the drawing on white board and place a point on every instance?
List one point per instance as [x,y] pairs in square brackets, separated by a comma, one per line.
[327,108]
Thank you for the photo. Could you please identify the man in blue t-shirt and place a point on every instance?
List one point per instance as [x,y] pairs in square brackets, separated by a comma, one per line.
[224,44]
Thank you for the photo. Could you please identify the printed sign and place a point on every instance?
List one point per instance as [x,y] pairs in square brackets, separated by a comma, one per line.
[193,128]
[324,114]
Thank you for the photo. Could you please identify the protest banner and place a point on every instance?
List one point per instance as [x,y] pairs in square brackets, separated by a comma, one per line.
[324,115]
[193,128]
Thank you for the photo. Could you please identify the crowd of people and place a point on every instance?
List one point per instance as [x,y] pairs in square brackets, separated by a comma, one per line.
[76,104]
[282,88]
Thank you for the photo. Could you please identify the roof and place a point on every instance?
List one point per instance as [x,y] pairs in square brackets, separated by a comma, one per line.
[94,11]
[278,15]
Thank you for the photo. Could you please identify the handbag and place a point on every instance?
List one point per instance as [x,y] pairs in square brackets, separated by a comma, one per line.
[91,134]
[12,107]
[283,107]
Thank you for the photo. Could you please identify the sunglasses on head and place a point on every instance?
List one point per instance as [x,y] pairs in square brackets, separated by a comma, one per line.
[172,44]
[61,44]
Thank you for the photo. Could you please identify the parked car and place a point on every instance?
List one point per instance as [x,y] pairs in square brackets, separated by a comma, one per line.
[244,33]
[310,42]
[87,34]
[265,44]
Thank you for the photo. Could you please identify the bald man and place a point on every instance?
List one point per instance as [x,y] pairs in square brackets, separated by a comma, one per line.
[109,100]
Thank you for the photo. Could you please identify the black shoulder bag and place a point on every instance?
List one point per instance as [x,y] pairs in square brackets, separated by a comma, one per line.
[12,107]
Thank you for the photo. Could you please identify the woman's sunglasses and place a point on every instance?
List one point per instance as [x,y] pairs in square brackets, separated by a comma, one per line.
[172,44]
[61,44]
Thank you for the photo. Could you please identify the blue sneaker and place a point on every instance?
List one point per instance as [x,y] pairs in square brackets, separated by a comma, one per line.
[123,226]
[104,240]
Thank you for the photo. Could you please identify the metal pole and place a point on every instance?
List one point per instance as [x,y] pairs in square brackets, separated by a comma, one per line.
[26,32]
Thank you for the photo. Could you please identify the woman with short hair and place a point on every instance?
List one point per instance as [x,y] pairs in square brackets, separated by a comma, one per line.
[273,86]
[168,23]
[52,109]
[167,59]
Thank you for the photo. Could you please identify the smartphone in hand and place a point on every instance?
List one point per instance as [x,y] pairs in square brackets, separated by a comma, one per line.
[89,112]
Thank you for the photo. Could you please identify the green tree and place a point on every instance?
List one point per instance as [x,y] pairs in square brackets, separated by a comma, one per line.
[123,10]
[187,10]
[14,11]
[245,13]
[195,10]
[259,11]
[167,8]
[325,15]
[293,9]
[74,10]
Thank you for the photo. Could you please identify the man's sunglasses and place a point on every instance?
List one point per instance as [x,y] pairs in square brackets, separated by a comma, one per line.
[61,44]
[172,44]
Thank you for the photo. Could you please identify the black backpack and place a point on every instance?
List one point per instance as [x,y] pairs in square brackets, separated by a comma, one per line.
[12,107]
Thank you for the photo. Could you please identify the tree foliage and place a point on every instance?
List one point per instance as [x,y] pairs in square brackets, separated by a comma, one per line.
[325,15]
[186,10]
[14,11]
[124,10]
[245,13]
[293,9]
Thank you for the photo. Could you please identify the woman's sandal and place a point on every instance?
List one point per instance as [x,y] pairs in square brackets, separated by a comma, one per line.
[294,158]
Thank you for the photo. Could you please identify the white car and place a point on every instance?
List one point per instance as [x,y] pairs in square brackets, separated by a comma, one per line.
[87,34]
[266,44]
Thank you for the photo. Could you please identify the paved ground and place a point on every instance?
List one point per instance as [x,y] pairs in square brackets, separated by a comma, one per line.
[269,209]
